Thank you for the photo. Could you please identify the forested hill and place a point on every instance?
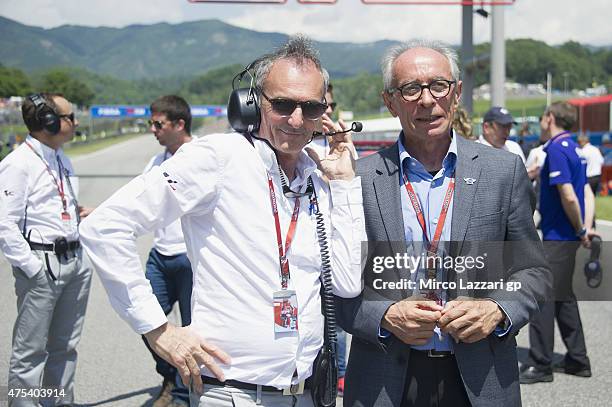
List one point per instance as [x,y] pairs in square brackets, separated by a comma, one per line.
[162,50]
[198,59]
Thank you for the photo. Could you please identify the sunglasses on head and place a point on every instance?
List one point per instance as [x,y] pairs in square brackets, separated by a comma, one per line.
[311,110]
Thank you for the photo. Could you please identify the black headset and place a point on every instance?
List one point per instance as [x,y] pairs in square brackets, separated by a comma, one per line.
[45,115]
[243,106]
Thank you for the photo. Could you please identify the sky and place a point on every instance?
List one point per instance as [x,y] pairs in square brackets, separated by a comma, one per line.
[551,21]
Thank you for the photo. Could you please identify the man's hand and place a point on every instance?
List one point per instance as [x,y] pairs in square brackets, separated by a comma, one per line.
[339,163]
[469,320]
[412,320]
[84,211]
[585,240]
[186,351]
[533,172]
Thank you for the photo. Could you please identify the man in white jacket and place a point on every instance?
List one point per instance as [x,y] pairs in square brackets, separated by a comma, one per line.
[247,205]
[40,238]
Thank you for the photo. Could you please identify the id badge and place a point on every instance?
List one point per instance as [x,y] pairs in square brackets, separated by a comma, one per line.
[285,311]
[66,221]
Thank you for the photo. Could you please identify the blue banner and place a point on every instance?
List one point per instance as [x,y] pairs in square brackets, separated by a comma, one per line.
[118,111]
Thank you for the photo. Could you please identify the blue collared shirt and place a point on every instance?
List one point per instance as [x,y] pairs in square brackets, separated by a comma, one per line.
[430,190]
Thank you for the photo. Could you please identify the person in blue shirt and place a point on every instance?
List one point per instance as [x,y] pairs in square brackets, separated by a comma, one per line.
[416,346]
[566,205]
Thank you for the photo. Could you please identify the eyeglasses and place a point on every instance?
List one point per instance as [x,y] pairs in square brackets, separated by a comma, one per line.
[285,107]
[158,124]
[332,106]
[412,91]
[68,116]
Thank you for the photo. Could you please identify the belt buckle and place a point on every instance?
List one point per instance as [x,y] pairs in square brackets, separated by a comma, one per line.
[432,353]
[295,389]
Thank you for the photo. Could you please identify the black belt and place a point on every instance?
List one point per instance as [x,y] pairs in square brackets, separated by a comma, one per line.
[432,353]
[50,247]
[239,385]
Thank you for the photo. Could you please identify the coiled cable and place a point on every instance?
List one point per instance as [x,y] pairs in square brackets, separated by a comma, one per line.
[324,390]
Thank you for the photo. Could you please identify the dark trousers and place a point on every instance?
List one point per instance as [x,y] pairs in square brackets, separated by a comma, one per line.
[434,382]
[594,183]
[562,259]
[171,280]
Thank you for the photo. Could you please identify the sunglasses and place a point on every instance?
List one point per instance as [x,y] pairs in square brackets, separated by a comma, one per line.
[158,124]
[285,107]
[68,116]
[333,105]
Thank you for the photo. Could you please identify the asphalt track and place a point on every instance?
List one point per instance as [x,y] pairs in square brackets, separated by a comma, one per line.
[115,369]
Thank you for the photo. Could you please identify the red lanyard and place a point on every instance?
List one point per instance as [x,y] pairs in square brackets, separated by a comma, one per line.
[282,252]
[433,245]
[60,184]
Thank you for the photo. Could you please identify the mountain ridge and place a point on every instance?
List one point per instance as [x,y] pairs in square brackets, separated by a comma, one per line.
[140,51]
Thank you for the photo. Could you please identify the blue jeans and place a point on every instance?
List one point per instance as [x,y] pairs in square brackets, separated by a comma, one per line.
[171,279]
[341,351]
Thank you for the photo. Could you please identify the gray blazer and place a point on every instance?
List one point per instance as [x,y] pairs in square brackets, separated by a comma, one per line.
[496,207]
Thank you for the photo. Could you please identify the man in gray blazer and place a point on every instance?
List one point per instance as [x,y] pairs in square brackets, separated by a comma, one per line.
[455,345]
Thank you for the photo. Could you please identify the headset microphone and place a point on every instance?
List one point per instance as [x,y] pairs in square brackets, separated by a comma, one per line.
[356,127]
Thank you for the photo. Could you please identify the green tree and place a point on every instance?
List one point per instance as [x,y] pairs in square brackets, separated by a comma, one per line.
[214,86]
[360,93]
[13,82]
[60,81]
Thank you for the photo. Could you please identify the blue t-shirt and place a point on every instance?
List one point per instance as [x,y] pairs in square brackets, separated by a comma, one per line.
[563,165]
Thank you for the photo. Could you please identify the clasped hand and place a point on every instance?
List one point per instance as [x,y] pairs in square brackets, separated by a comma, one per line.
[467,320]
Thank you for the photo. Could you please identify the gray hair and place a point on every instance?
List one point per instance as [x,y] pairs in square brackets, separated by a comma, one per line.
[392,53]
[298,48]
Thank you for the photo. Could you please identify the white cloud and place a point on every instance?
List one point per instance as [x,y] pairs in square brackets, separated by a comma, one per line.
[552,21]
[111,13]
[357,22]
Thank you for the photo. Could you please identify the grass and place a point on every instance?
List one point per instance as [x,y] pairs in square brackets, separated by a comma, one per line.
[73,151]
[603,207]
[517,107]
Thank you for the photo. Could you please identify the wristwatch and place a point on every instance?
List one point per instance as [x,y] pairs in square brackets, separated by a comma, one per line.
[582,232]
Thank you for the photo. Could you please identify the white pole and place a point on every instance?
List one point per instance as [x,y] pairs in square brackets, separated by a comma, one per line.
[548,88]
[467,51]
[498,57]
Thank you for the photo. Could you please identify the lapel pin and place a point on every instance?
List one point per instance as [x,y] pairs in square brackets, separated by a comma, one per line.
[469,181]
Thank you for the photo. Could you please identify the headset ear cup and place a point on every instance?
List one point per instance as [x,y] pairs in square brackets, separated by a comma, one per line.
[243,110]
[45,115]
[50,121]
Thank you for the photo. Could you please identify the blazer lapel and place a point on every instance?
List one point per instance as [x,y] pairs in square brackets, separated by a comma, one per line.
[467,177]
[386,188]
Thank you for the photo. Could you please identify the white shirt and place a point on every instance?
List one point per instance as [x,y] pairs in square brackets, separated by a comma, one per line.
[167,240]
[510,146]
[219,187]
[536,157]
[27,187]
[593,158]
